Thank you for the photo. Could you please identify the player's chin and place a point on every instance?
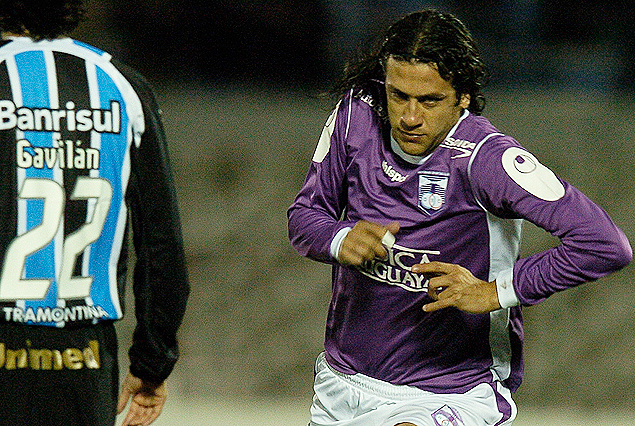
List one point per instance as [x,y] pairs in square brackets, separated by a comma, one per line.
[414,147]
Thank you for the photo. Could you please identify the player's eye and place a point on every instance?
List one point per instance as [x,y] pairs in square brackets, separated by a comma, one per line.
[430,101]
[398,95]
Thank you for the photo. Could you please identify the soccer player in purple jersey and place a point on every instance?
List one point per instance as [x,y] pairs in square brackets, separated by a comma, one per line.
[417,201]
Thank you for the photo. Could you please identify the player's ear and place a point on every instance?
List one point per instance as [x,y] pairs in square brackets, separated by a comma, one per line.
[464,102]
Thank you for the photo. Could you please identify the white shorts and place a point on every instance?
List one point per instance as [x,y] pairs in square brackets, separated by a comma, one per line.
[358,400]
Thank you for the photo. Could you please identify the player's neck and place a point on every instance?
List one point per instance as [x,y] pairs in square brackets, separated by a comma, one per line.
[9,34]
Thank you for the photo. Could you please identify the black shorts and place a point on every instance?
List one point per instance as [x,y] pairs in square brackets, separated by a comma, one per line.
[58,376]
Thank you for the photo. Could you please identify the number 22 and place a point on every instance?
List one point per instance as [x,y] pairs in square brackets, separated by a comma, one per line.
[12,285]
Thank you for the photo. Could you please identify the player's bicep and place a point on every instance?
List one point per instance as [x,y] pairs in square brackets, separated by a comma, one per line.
[510,182]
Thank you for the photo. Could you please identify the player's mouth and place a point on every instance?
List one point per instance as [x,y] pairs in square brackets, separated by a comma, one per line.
[410,137]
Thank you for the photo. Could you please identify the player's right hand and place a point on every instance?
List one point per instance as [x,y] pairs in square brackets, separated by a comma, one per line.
[364,242]
[146,401]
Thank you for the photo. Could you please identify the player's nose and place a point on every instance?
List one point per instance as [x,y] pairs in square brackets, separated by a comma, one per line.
[412,115]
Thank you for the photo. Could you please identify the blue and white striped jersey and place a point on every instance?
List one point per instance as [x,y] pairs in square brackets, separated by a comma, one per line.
[82,155]
[66,165]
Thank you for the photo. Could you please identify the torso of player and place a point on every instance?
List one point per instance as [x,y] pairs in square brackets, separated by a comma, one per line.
[440,218]
[376,325]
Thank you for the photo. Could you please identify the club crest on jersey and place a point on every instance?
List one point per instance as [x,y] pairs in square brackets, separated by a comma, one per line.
[432,188]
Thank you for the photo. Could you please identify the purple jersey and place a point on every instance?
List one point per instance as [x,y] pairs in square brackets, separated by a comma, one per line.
[462,204]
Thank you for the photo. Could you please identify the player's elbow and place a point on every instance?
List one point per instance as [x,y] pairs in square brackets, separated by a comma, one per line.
[619,255]
[298,234]
[294,228]
[624,254]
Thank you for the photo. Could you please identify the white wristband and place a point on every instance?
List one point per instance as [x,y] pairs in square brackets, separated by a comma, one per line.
[505,289]
[336,243]
[389,240]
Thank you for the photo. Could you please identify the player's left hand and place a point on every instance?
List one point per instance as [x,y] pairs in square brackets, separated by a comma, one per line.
[147,401]
[453,285]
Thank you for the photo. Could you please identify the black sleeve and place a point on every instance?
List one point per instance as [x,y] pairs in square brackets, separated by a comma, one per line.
[160,281]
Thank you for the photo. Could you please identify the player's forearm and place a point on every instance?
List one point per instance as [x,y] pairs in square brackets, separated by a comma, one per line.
[585,255]
[161,291]
[152,354]
[311,232]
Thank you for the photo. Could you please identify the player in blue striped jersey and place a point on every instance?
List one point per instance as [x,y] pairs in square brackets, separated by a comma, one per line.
[83,159]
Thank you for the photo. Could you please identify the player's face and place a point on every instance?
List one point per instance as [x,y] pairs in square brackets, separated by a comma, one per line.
[422,106]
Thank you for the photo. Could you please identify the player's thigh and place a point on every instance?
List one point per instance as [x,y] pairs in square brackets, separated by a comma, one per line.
[485,404]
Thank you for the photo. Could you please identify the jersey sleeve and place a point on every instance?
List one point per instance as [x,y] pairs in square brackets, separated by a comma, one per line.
[160,281]
[510,182]
[313,217]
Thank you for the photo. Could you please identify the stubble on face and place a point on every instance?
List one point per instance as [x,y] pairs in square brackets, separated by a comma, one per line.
[422,106]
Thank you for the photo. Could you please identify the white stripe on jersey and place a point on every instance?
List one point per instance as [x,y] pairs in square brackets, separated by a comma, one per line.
[58,176]
[14,79]
[135,128]
[504,248]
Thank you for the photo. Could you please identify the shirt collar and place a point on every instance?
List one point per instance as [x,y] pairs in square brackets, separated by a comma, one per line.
[417,159]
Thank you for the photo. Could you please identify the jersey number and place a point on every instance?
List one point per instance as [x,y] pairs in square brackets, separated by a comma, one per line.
[12,285]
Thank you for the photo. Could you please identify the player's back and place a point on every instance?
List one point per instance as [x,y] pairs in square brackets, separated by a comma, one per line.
[68,118]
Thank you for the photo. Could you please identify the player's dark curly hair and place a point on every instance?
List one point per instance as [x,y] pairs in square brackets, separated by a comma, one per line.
[428,36]
[40,19]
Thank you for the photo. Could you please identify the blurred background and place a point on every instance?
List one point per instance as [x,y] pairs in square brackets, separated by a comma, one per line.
[240,82]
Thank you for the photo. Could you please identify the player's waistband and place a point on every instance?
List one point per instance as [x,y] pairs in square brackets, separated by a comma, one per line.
[371,385]
[31,348]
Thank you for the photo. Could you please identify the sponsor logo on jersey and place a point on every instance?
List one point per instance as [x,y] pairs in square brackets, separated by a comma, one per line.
[59,315]
[50,359]
[369,100]
[396,269]
[447,416]
[55,120]
[432,187]
[531,175]
[465,147]
[393,174]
